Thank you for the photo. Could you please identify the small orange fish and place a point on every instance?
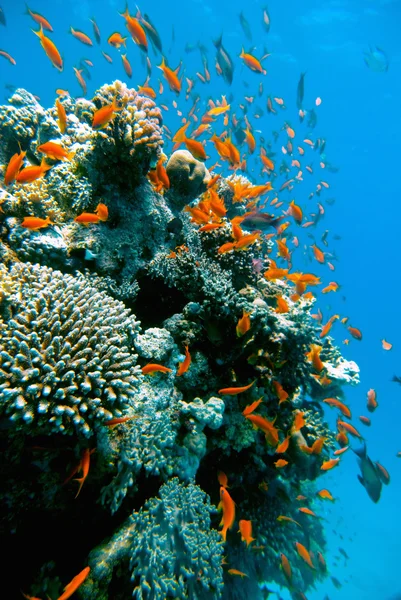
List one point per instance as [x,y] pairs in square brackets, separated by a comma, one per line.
[365,420]
[245,529]
[319,255]
[81,80]
[252,62]
[285,565]
[325,494]
[329,464]
[280,463]
[356,333]
[82,37]
[307,511]
[299,421]
[119,420]
[35,223]
[372,401]
[222,479]
[49,47]
[304,554]
[244,324]
[74,584]
[341,451]
[266,426]
[349,428]
[340,405]
[104,115]
[283,447]
[62,116]
[184,366]
[126,65]
[13,167]
[30,174]
[251,407]
[282,305]
[171,77]
[227,505]
[236,572]
[116,40]
[282,395]
[288,519]
[296,212]
[55,151]
[233,391]
[152,368]
[84,467]
[8,57]
[314,357]
[136,30]
[386,345]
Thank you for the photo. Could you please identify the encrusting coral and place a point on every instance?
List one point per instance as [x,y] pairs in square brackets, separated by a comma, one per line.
[222,378]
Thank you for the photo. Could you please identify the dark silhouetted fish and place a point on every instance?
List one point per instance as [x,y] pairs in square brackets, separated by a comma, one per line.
[224,60]
[301,91]
[245,26]
[396,379]
[312,119]
[260,220]
[2,17]
[376,59]
[370,478]
[151,32]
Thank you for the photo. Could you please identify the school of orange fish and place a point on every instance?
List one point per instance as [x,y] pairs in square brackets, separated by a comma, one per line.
[209,213]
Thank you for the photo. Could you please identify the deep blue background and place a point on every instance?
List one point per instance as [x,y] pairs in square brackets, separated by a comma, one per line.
[360,118]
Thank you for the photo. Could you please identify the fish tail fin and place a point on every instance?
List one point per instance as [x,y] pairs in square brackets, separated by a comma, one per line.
[218,42]
[44,165]
[223,533]
[361,452]
[39,33]
[27,11]
[81,482]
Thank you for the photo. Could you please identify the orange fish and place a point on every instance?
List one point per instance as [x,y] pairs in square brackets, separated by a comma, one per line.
[288,519]
[307,511]
[116,40]
[314,357]
[49,47]
[252,62]
[233,391]
[282,305]
[81,80]
[245,529]
[244,324]
[365,420]
[285,565]
[39,19]
[266,426]
[372,401]
[326,328]
[332,287]
[152,368]
[296,212]
[227,505]
[119,420]
[329,464]
[325,494]
[74,584]
[82,37]
[280,463]
[8,57]
[280,391]
[316,447]
[340,405]
[251,407]
[386,345]
[341,451]
[349,428]
[126,65]
[196,148]
[356,333]
[222,479]
[184,366]
[319,255]
[236,572]
[136,30]
[304,554]
[62,116]
[299,421]
[32,173]
[283,447]
[171,76]
[13,167]
[104,115]
[55,151]
[35,223]
[84,467]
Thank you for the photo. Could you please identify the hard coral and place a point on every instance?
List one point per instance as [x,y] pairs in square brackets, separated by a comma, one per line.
[65,363]
[188,177]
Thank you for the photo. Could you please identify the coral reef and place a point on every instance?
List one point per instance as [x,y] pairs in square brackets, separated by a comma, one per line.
[162,399]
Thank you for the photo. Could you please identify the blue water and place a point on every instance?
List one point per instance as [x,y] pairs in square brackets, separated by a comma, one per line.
[360,119]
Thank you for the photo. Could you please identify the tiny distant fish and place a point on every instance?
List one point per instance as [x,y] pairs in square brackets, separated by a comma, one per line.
[396,379]
[245,26]
[224,61]
[301,91]
[376,59]
[337,584]
[2,17]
